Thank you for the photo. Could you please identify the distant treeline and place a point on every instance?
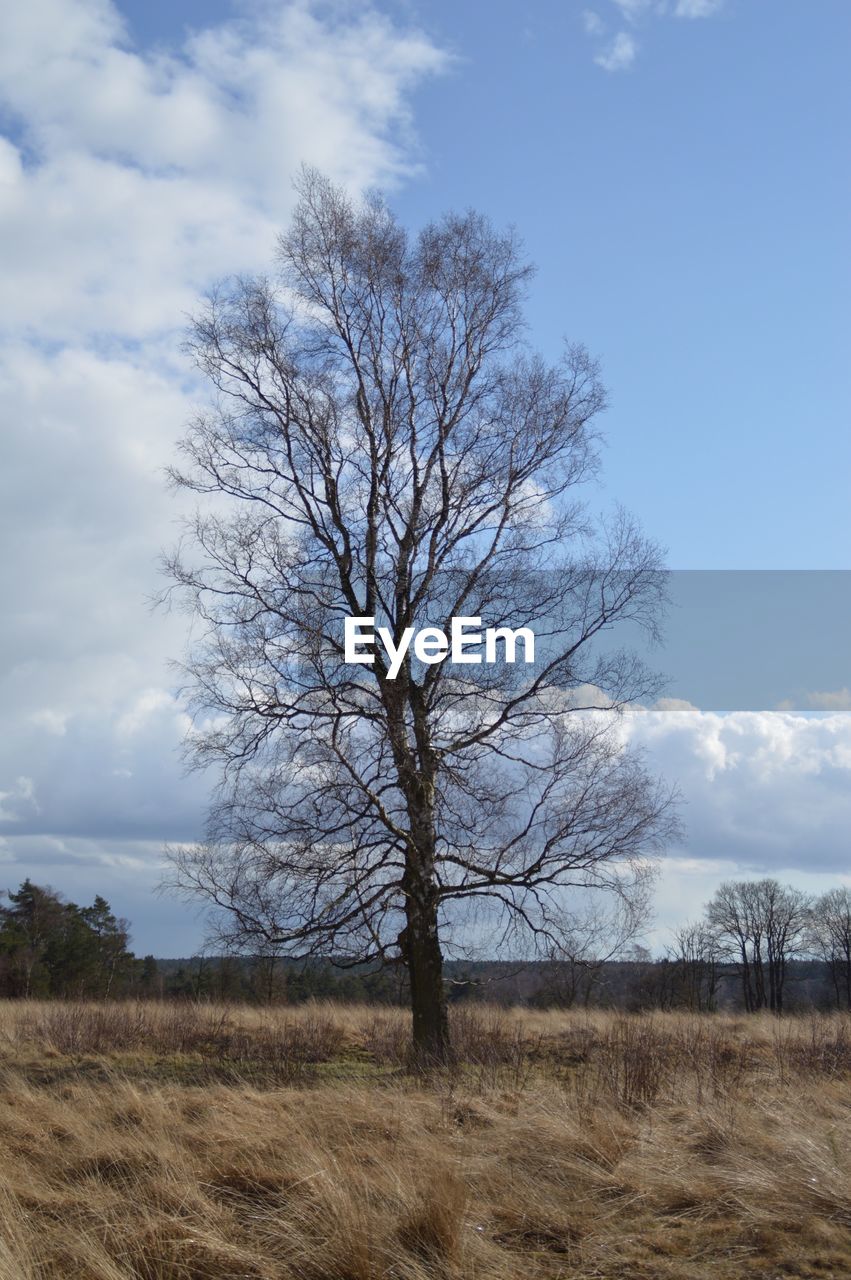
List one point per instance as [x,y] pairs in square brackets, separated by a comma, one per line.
[633,985]
[51,948]
[761,945]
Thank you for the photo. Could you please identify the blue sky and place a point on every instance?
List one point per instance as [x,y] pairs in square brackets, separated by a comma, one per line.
[688,214]
[676,170]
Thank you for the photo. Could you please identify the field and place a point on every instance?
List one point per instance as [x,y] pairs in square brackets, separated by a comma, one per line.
[183,1142]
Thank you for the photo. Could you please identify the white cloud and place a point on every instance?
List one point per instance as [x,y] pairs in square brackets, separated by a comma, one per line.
[130,179]
[19,801]
[769,790]
[633,10]
[145,707]
[159,170]
[619,53]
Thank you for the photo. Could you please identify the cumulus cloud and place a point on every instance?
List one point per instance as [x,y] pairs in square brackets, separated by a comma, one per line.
[146,173]
[130,179]
[765,790]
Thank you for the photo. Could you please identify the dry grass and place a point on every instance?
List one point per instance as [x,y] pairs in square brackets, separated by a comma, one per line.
[197,1143]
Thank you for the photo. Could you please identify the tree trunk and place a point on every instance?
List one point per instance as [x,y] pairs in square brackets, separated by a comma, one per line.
[420,945]
[419,941]
[834,977]
[746,982]
[760,1000]
[428,994]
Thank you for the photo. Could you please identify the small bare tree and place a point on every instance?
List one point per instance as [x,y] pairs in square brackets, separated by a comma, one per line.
[696,956]
[392,450]
[589,936]
[829,938]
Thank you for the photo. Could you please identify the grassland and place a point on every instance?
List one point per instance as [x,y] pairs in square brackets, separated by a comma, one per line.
[201,1143]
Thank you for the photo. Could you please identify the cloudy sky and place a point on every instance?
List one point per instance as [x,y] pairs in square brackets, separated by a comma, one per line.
[676,168]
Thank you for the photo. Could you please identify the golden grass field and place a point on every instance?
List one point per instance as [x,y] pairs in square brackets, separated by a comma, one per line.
[182,1142]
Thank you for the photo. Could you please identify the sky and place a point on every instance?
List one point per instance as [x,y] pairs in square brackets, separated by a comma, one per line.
[676,169]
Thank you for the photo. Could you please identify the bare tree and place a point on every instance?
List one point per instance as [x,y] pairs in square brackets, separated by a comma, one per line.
[592,934]
[392,450]
[696,955]
[829,938]
[729,914]
[785,911]
[763,925]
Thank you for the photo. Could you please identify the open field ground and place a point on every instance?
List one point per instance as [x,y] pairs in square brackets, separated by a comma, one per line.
[180,1142]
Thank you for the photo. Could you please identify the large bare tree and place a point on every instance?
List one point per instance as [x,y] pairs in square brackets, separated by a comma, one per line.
[381,443]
